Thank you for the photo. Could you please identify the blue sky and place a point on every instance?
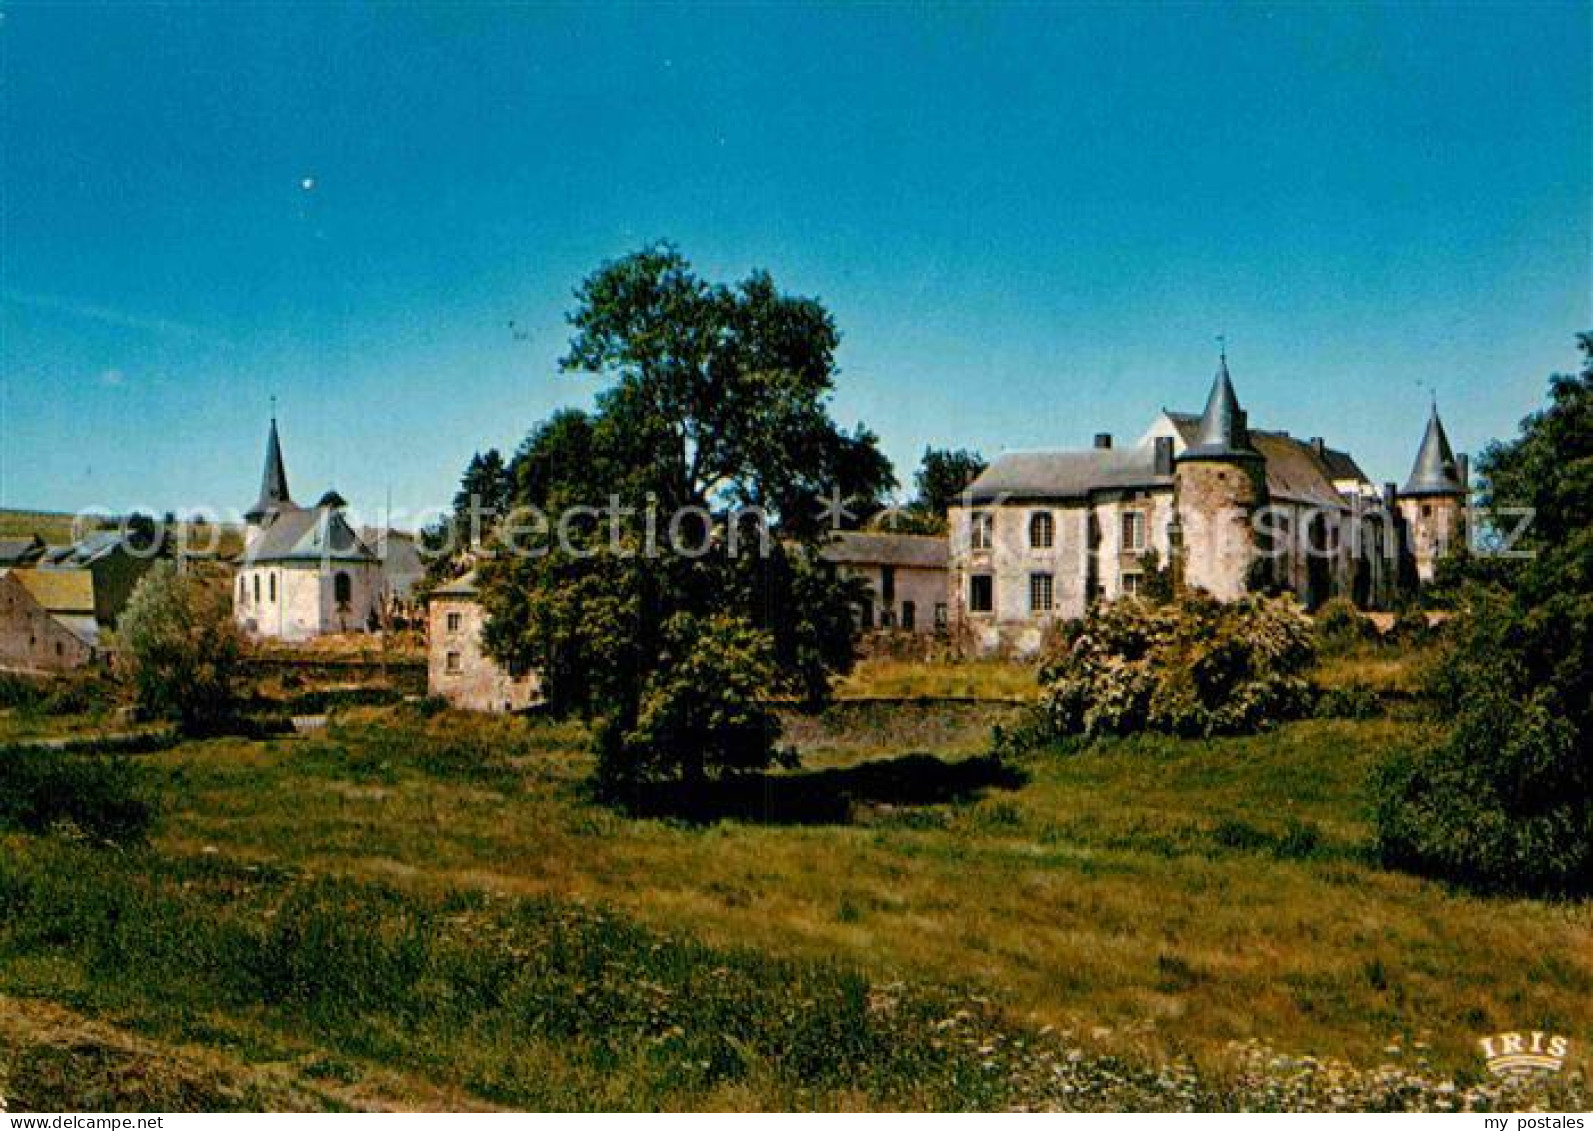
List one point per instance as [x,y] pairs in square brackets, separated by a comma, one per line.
[1029,222]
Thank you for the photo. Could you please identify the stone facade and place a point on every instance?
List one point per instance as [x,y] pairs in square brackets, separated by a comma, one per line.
[906,577]
[1039,536]
[32,638]
[458,668]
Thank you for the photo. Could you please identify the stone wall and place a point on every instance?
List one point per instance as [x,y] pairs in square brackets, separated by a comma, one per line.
[1216,500]
[1436,528]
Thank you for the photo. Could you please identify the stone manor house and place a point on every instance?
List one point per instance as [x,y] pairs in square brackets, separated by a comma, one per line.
[1039,536]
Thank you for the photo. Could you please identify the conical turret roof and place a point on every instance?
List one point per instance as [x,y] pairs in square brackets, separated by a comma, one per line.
[1223,432]
[1435,471]
[273,480]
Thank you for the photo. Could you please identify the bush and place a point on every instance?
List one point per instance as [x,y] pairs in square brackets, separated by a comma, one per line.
[1506,802]
[98,795]
[1341,626]
[1196,668]
[180,649]
[1353,702]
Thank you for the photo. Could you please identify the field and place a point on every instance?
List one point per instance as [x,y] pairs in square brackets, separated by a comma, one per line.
[422,910]
[56,529]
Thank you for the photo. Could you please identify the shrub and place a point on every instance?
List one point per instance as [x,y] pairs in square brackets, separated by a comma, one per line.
[1196,668]
[180,649]
[1505,803]
[96,794]
[1354,702]
[1340,626]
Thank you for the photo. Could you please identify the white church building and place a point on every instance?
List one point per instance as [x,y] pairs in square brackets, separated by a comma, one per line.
[305,571]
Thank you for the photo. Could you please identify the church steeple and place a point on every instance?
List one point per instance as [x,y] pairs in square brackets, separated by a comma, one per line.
[1224,433]
[1435,471]
[273,480]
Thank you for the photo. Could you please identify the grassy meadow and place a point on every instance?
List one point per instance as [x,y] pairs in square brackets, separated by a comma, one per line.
[420,909]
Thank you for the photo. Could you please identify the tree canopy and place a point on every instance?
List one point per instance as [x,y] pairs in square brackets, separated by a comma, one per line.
[635,587]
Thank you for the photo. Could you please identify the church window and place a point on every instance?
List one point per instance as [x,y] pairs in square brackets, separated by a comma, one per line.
[257,588]
[1042,530]
[273,586]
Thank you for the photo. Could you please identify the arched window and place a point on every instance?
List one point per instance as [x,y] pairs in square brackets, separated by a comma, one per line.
[342,589]
[273,587]
[243,592]
[257,588]
[1042,530]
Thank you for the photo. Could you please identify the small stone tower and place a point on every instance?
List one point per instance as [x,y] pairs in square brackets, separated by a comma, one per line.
[1219,481]
[273,491]
[1433,502]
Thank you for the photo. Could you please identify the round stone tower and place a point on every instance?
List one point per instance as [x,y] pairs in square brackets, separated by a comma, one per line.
[1433,502]
[1220,481]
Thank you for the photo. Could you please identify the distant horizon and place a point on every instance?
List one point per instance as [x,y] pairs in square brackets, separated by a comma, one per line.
[1030,224]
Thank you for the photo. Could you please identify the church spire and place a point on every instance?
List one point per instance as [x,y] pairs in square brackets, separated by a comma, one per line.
[1223,432]
[273,480]
[1435,471]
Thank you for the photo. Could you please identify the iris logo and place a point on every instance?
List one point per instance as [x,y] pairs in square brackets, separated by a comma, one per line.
[1510,1053]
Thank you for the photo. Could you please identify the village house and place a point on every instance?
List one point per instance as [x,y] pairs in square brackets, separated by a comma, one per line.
[906,576]
[304,571]
[1039,536]
[47,621]
[458,668]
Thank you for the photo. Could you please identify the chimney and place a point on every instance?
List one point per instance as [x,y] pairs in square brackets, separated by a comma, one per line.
[1103,439]
[1164,455]
[1319,446]
[1463,470]
[1390,496]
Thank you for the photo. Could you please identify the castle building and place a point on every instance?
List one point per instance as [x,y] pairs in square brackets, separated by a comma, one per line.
[304,571]
[1433,501]
[1220,506]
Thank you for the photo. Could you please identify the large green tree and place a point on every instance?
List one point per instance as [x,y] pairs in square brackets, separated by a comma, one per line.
[713,435]
[177,644]
[1506,802]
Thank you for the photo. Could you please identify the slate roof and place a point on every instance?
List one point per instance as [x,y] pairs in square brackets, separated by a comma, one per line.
[1223,433]
[20,551]
[65,592]
[1434,472]
[1067,475]
[1295,473]
[910,551]
[462,586]
[85,551]
[308,536]
[273,480]
[1342,465]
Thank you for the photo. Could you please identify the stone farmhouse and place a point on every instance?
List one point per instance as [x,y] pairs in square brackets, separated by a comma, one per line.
[305,571]
[47,621]
[458,668]
[1039,536]
[905,575]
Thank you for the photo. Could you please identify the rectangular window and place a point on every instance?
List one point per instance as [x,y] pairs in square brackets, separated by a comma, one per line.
[887,585]
[1134,530]
[909,616]
[455,620]
[981,593]
[982,532]
[451,662]
[1040,586]
[1131,583]
[941,617]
